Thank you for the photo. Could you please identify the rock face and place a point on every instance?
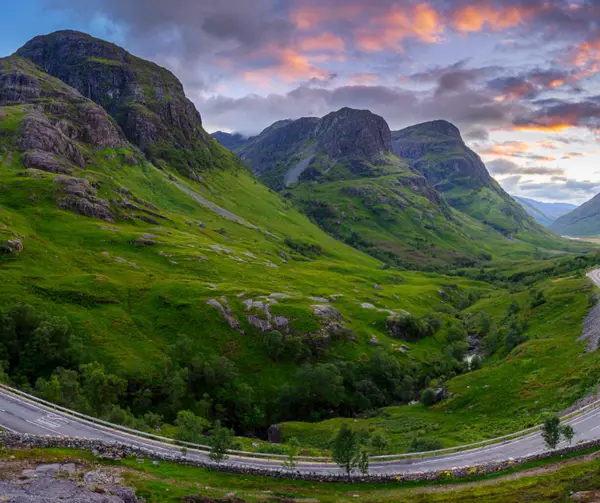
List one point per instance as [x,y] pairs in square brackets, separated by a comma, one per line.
[146,100]
[63,482]
[310,148]
[57,122]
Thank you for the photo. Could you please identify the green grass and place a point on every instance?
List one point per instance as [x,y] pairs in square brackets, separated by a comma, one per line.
[513,392]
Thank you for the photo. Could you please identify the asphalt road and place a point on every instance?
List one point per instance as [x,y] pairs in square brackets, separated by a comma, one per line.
[21,415]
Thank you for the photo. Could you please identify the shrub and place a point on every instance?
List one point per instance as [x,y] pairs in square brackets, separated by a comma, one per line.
[428,397]
[420,444]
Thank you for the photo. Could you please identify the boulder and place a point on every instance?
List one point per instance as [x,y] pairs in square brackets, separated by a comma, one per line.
[274,434]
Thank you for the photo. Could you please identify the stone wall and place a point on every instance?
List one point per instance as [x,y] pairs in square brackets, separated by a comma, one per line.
[117,450]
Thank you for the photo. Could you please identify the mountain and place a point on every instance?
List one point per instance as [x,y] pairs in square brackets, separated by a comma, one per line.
[146,100]
[207,293]
[544,213]
[416,196]
[437,150]
[232,141]
[582,221]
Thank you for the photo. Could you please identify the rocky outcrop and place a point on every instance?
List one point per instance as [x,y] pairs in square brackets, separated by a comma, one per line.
[223,306]
[79,196]
[49,483]
[146,100]
[57,120]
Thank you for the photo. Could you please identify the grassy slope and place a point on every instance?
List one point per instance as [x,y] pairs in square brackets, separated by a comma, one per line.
[128,314]
[168,483]
[547,373]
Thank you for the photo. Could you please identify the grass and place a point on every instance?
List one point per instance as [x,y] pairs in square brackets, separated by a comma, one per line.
[513,392]
[168,482]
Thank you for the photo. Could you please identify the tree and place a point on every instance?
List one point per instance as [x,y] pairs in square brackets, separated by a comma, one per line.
[221,443]
[567,432]
[428,397]
[551,431]
[380,442]
[190,426]
[513,308]
[293,450]
[345,449]
[475,363]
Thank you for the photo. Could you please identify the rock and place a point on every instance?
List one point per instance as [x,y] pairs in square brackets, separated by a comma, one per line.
[377,287]
[274,434]
[11,246]
[80,197]
[374,341]
[367,305]
[225,311]
[322,300]
[586,496]
[326,312]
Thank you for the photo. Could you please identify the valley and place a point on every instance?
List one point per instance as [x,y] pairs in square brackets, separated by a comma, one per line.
[326,272]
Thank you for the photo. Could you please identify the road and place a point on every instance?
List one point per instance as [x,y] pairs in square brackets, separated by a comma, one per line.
[21,415]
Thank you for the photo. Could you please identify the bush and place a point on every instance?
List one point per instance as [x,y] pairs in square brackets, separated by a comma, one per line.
[408,327]
[419,444]
[304,248]
[428,397]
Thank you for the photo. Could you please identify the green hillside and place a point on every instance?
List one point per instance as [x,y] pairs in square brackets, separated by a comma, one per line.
[582,221]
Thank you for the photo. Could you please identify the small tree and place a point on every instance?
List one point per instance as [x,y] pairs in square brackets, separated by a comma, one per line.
[363,461]
[551,431]
[567,432]
[293,450]
[221,443]
[345,449]
[184,451]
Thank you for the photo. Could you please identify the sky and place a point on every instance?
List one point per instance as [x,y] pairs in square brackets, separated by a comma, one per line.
[518,77]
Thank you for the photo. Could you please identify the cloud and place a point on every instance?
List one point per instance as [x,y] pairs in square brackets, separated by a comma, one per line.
[477,16]
[364,79]
[561,115]
[562,189]
[505,167]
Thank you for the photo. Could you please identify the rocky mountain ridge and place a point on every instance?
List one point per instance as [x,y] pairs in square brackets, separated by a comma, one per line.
[146,100]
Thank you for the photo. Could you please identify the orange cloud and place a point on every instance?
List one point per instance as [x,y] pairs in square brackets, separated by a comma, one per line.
[547,144]
[474,18]
[400,23]
[508,149]
[326,42]
[290,65]
[364,79]
[542,128]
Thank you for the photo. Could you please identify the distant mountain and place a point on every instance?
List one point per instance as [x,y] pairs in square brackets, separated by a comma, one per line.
[582,221]
[229,140]
[388,193]
[544,213]
[437,150]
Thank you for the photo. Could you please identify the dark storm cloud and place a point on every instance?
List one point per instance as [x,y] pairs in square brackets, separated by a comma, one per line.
[504,167]
[561,115]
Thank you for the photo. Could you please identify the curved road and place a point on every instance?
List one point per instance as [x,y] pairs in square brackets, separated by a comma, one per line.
[21,415]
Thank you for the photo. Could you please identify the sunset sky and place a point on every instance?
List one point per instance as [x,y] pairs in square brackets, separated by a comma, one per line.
[518,77]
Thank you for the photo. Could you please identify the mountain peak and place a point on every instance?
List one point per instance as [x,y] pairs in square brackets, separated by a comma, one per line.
[438,127]
[145,99]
